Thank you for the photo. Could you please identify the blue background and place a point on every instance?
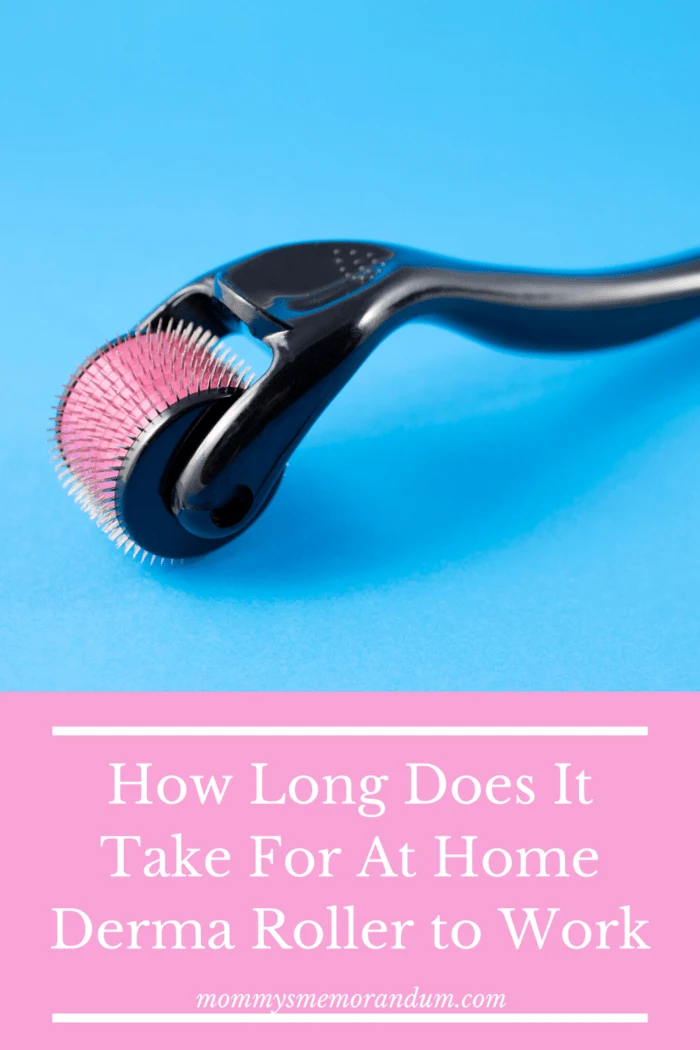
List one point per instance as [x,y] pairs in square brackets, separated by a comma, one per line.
[459,518]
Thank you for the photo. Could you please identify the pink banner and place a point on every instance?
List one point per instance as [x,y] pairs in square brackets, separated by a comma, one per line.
[176,867]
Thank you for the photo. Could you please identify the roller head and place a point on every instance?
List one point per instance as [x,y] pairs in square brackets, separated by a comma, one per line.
[121,422]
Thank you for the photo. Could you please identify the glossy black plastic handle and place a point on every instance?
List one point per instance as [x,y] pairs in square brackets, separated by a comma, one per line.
[537,310]
[322,307]
[374,285]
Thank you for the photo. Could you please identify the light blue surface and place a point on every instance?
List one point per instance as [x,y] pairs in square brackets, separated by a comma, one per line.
[459,518]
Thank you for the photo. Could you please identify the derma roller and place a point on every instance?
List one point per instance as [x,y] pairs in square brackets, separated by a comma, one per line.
[175,452]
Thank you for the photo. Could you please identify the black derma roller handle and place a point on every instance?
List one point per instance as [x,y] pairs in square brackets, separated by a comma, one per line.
[322,307]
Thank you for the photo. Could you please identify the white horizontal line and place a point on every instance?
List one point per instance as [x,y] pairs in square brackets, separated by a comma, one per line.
[397,731]
[338,1018]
